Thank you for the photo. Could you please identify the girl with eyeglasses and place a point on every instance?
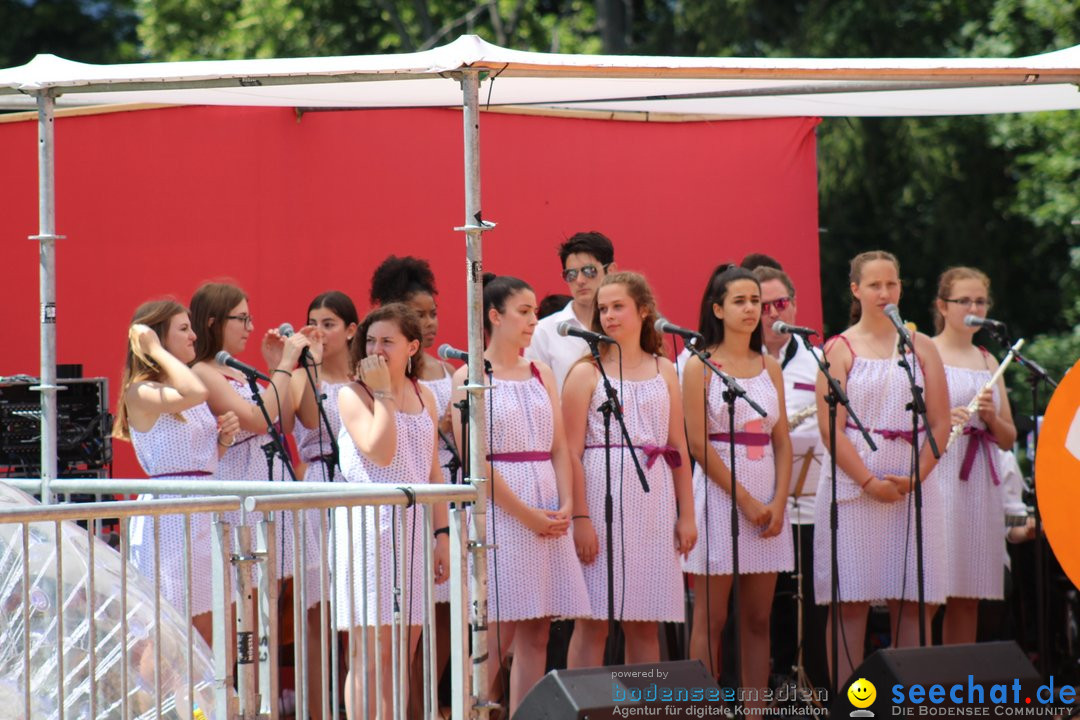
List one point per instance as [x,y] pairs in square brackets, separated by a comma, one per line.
[730,323]
[222,320]
[970,472]
[651,531]
[388,436]
[163,413]
[876,528]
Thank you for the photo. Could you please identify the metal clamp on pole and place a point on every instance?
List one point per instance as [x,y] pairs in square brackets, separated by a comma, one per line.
[484,226]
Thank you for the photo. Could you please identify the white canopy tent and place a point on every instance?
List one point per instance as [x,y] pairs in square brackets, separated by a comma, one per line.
[696,87]
[469,72]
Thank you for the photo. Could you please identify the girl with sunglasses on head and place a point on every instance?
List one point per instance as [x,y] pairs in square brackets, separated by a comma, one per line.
[333,316]
[659,526]
[388,436]
[730,323]
[876,530]
[534,574]
[163,413]
[971,471]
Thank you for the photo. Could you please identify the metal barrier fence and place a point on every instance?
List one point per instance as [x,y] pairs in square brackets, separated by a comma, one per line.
[81,621]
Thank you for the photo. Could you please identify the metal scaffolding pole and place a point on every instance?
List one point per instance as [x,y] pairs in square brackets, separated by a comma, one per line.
[474,228]
[47,280]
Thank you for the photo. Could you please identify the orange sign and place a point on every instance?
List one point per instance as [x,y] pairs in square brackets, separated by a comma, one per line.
[1057,473]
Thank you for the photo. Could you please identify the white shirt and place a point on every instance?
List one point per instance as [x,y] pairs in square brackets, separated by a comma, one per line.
[557,352]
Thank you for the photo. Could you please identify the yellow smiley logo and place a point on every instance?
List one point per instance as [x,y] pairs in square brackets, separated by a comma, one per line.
[862,693]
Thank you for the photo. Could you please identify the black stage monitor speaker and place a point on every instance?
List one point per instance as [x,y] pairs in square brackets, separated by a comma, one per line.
[934,681]
[599,693]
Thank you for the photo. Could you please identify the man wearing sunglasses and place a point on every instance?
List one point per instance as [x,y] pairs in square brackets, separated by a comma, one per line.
[800,373]
[586,258]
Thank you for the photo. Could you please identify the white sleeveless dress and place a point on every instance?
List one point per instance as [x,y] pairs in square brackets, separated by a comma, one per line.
[246,460]
[755,471]
[175,450]
[970,474]
[644,523]
[876,540]
[536,577]
[411,465]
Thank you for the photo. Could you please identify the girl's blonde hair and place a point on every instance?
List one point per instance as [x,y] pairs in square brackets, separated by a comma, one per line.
[156,314]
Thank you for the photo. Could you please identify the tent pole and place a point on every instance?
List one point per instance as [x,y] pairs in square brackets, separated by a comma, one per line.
[47,238]
[474,228]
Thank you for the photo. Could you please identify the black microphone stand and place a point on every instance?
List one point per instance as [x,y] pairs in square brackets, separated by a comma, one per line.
[276,446]
[612,407]
[454,463]
[324,420]
[917,406]
[732,392]
[1036,374]
[835,396]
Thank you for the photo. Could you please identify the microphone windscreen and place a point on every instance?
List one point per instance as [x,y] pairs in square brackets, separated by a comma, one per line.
[441,352]
[972,320]
[779,327]
[563,328]
[285,329]
[660,324]
[222,357]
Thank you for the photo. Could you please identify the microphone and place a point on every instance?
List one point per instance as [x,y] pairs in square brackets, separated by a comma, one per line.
[663,326]
[782,328]
[286,330]
[224,358]
[976,321]
[565,328]
[448,352]
[893,313]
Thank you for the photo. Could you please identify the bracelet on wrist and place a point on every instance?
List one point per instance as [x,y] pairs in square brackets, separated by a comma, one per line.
[866,482]
[228,444]
[581,517]
[441,531]
[286,372]
[383,395]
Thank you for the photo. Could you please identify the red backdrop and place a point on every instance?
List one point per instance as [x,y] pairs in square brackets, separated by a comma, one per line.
[154,202]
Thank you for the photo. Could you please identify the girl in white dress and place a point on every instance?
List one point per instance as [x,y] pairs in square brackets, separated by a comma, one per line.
[659,525]
[970,473]
[410,280]
[163,412]
[334,317]
[876,533]
[731,326]
[388,436]
[534,575]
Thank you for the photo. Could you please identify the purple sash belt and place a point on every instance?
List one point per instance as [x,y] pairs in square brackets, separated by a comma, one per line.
[184,473]
[749,439]
[904,435]
[522,456]
[652,454]
[980,438]
[804,386]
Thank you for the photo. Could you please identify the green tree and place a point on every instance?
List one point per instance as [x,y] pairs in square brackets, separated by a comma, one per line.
[84,30]
[222,29]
